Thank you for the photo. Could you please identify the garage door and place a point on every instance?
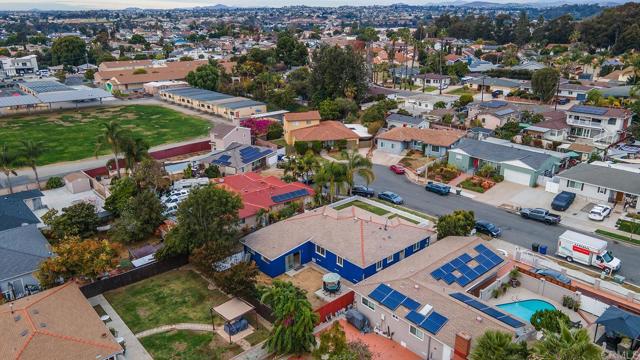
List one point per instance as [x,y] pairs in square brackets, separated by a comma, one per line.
[517,177]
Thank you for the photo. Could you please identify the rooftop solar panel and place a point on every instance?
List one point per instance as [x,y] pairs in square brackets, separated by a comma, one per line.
[379,293]
[415,317]
[591,110]
[434,322]
[438,273]
[393,300]
[511,321]
[460,296]
[492,312]
[449,278]
[463,281]
[457,262]
[447,267]
[465,257]
[410,304]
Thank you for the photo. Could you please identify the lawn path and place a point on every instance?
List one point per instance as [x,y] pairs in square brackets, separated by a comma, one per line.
[181,326]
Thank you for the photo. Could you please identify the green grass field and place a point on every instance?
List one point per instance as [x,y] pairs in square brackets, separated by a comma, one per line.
[177,296]
[71,135]
[462,91]
[189,345]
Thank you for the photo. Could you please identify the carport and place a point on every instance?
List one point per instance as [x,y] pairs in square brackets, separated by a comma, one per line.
[232,310]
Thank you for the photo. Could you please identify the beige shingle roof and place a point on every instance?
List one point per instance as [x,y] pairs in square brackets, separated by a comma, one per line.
[439,137]
[55,324]
[325,131]
[353,233]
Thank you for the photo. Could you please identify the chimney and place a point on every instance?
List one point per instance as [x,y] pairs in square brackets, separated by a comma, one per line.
[462,346]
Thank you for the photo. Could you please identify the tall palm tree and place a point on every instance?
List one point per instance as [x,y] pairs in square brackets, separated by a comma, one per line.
[567,345]
[332,174]
[357,164]
[31,151]
[112,135]
[393,36]
[134,150]
[405,35]
[498,345]
[7,164]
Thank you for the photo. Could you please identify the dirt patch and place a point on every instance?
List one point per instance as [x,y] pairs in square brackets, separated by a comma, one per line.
[180,346]
[143,312]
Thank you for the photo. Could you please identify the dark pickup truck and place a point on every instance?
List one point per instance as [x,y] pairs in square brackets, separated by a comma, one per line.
[539,214]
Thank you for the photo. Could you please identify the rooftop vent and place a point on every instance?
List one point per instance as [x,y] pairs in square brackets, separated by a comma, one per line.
[24,333]
[35,311]
[17,318]
[43,325]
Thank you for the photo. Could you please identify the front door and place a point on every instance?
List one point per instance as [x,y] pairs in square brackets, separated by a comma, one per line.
[292,261]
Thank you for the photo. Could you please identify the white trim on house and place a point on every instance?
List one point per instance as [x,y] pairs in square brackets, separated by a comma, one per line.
[517,163]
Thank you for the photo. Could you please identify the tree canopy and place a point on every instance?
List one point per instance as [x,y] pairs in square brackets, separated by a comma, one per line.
[290,51]
[205,76]
[544,83]
[458,223]
[68,50]
[336,73]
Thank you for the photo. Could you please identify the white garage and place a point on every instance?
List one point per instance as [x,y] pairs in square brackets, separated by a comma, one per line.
[517,177]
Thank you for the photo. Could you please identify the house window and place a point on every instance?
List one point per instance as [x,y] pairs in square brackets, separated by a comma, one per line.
[416,246]
[612,121]
[435,148]
[575,184]
[395,317]
[416,332]
[368,303]
[320,251]
[390,259]
[308,122]
[602,190]
[393,145]
[339,261]
[458,157]
[381,144]
[401,254]
[379,265]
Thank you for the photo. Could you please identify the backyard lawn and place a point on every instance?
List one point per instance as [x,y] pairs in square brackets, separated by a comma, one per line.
[177,296]
[462,91]
[357,203]
[189,345]
[71,135]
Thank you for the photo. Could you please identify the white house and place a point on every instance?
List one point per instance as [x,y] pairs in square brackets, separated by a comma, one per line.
[602,126]
[26,65]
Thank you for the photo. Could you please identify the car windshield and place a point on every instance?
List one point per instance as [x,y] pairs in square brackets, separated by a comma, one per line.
[607,256]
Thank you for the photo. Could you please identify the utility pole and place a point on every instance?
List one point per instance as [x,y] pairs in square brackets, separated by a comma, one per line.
[482,90]
[557,91]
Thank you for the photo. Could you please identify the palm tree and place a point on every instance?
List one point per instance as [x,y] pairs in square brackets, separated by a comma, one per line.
[498,345]
[7,164]
[308,164]
[405,35]
[357,164]
[567,345]
[112,135]
[295,319]
[393,36]
[333,174]
[134,150]
[31,151]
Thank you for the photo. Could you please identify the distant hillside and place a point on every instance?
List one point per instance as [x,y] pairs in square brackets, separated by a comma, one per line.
[617,27]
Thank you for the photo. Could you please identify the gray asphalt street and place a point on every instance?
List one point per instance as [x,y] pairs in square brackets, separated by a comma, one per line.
[516,230]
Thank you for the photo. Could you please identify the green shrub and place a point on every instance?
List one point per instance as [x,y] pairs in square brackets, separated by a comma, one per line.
[549,320]
[628,226]
[469,185]
[301,147]
[54,183]
[341,144]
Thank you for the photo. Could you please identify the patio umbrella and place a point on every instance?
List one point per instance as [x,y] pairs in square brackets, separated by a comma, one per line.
[620,321]
[331,278]
[573,154]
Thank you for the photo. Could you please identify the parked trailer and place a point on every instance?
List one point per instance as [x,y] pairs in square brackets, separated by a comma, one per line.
[587,250]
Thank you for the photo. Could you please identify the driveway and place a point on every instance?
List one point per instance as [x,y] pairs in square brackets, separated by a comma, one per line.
[516,230]
[384,158]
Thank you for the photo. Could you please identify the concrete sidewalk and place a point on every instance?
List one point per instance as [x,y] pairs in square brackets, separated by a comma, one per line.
[135,350]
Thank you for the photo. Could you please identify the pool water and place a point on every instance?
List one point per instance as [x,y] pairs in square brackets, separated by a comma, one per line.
[526,308]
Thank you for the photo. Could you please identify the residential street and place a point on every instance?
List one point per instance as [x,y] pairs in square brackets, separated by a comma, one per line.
[516,229]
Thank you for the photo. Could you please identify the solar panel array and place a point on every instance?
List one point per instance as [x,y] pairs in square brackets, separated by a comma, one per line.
[486,260]
[494,104]
[498,315]
[251,154]
[223,160]
[432,322]
[591,110]
[290,195]
[46,86]
[392,299]
[504,112]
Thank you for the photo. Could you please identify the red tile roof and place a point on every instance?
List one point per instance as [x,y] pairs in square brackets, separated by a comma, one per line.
[438,137]
[325,131]
[257,191]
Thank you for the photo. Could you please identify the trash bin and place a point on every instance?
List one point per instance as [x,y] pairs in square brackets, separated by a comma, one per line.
[535,247]
[543,249]
[458,191]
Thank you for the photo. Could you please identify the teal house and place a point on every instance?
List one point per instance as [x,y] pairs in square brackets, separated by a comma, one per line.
[517,165]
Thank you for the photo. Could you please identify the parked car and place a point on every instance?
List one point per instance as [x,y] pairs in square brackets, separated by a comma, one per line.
[540,214]
[398,169]
[488,228]
[599,212]
[563,101]
[554,274]
[440,189]
[362,190]
[390,197]
[496,93]
[563,200]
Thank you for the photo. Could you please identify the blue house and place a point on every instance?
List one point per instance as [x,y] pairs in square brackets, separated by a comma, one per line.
[17,209]
[352,242]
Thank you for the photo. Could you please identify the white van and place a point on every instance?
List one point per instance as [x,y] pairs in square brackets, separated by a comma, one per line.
[587,250]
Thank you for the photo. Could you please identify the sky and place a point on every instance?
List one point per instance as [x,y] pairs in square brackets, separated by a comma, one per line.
[167,4]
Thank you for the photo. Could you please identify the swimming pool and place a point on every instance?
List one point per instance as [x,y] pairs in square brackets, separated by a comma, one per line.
[524,309]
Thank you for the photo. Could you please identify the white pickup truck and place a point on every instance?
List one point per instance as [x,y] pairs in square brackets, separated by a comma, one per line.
[587,250]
